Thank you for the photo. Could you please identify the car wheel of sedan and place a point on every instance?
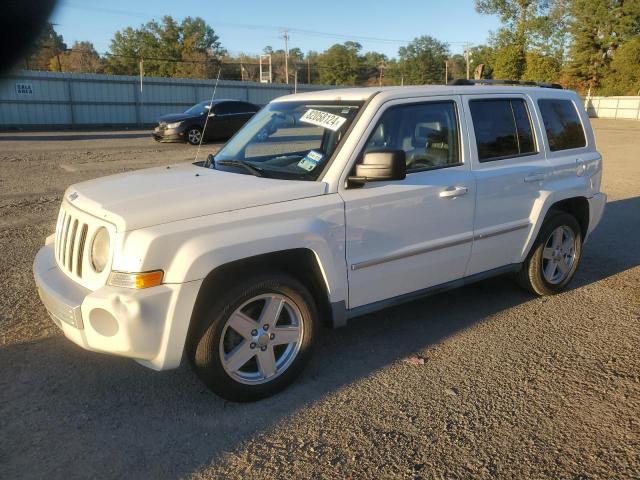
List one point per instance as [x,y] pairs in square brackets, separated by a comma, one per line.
[554,256]
[194,136]
[256,339]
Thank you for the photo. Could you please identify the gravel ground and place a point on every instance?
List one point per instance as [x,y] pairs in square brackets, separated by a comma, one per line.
[485,382]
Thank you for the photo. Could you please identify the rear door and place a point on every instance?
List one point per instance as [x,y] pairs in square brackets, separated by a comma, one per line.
[510,168]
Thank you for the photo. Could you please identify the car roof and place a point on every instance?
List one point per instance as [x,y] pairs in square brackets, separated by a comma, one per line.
[389,93]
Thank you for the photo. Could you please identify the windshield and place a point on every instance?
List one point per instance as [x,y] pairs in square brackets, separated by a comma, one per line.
[199,108]
[291,140]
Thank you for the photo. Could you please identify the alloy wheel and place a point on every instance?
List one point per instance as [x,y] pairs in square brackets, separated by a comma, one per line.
[559,255]
[194,136]
[261,339]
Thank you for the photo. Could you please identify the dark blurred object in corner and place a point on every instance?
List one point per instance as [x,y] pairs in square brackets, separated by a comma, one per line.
[21,21]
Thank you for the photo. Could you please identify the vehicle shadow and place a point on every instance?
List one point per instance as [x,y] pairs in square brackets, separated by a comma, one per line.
[69,413]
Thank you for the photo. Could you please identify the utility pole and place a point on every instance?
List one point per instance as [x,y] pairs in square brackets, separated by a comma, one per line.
[381,67]
[285,35]
[141,73]
[446,72]
[308,69]
[467,57]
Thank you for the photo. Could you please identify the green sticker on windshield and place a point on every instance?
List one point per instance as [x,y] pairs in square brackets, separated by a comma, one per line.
[311,160]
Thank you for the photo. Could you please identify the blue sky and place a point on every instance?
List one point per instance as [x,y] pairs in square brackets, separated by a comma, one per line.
[249,25]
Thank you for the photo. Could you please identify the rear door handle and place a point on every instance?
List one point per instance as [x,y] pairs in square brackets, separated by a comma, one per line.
[453,191]
[535,177]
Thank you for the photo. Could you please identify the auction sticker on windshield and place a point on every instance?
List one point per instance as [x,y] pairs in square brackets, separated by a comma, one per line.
[311,160]
[323,119]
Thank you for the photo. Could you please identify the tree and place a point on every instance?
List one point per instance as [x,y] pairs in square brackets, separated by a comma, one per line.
[339,64]
[526,24]
[457,67]
[541,68]
[49,45]
[422,61]
[81,58]
[624,76]
[509,62]
[190,48]
[598,28]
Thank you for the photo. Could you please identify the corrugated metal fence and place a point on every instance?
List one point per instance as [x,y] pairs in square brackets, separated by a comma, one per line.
[613,107]
[30,99]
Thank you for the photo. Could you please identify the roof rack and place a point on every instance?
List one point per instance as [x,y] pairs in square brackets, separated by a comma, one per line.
[486,81]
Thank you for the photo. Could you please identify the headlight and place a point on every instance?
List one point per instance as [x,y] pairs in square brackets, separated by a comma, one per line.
[173,125]
[100,250]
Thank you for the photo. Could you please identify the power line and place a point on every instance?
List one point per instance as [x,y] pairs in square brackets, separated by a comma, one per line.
[270,28]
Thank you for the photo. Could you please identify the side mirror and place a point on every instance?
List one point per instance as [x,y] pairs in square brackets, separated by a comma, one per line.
[380,165]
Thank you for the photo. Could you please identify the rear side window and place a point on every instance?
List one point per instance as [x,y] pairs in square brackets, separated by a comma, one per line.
[562,124]
[502,127]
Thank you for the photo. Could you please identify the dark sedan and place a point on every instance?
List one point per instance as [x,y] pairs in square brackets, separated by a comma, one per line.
[225,117]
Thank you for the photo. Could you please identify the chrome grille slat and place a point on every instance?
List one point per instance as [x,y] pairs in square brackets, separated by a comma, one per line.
[80,256]
[72,243]
[65,235]
[63,217]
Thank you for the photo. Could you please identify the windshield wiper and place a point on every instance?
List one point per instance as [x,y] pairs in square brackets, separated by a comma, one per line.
[258,172]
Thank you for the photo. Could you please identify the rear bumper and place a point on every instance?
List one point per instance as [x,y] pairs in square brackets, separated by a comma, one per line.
[149,325]
[596,210]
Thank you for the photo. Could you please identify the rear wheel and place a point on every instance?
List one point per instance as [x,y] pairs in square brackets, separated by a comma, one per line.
[256,339]
[554,256]
[194,136]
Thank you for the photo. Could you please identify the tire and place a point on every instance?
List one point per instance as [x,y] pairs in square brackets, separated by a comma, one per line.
[194,135]
[258,359]
[554,256]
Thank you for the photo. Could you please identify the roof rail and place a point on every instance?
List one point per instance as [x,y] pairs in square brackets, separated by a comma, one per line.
[486,81]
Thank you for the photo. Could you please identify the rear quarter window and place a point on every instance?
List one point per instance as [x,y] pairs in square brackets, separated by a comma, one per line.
[562,124]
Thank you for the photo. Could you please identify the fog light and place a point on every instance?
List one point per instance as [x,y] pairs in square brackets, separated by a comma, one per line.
[136,280]
[103,322]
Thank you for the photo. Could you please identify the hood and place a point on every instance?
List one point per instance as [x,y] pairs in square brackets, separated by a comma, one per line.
[176,117]
[153,196]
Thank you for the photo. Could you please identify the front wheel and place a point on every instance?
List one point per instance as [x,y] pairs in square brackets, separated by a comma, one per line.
[194,136]
[554,256]
[256,339]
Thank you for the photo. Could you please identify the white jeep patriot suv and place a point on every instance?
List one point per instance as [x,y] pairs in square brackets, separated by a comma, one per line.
[355,200]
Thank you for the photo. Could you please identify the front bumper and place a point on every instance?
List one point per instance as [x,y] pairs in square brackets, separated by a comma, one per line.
[174,135]
[148,325]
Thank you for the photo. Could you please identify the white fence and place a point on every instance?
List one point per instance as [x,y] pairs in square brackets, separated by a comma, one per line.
[31,99]
[613,107]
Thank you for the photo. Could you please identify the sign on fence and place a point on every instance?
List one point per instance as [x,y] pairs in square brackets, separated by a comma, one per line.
[24,89]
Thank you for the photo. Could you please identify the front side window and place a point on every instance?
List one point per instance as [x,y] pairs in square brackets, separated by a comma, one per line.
[427,132]
[502,127]
[562,124]
[289,140]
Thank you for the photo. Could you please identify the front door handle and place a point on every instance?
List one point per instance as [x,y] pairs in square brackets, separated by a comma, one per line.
[534,177]
[453,191]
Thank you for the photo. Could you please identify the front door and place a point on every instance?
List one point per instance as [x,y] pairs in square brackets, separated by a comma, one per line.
[405,236]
